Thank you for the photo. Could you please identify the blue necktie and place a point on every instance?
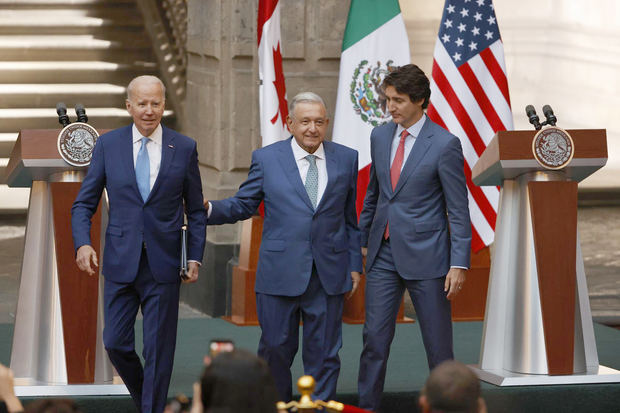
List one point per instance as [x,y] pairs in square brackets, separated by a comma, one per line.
[143,170]
[312,180]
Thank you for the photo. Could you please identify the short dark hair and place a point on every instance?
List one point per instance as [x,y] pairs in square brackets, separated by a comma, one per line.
[410,80]
[238,381]
[452,387]
[52,405]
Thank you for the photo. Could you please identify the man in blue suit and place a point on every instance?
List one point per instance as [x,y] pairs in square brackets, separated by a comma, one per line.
[151,176]
[415,222]
[310,252]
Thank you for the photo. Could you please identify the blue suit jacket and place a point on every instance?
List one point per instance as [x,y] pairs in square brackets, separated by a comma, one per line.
[431,192]
[157,221]
[294,234]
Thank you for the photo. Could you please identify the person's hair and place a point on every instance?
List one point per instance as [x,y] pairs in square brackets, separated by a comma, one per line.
[452,387]
[148,78]
[304,97]
[410,80]
[238,381]
[52,406]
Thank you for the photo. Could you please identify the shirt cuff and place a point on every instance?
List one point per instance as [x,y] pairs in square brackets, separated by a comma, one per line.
[199,263]
[458,266]
[209,210]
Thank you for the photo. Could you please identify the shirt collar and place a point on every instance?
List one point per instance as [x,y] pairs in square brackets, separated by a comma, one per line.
[301,153]
[414,130]
[156,136]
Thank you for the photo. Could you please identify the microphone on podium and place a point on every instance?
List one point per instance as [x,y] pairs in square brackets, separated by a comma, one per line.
[532,116]
[63,119]
[81,113]
[548,112]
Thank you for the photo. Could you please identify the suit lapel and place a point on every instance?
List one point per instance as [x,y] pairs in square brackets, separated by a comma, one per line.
[167,154]
[287,160]
[332,172]
[386,147]
[420,147]
[126,156]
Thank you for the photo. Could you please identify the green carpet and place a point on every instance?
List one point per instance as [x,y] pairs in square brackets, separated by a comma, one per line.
[407,369]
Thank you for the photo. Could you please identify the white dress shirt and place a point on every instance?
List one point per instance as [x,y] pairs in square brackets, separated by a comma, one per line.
[414,131]
[303,165]
[153,147]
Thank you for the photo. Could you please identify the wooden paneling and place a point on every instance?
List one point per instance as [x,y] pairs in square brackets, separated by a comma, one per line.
[554,220]
[78,290]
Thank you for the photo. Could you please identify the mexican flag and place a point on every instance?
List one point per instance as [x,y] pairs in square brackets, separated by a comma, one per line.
[375,41]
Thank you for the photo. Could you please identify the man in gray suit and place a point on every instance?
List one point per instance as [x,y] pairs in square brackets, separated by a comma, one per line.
[415,222]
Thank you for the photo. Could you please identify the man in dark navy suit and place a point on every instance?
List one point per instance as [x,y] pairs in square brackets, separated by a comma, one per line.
[151,177]
[415,222]
[310,252]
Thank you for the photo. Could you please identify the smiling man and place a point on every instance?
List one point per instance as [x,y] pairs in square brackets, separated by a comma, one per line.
[310,251]
[415,222]
[151,176]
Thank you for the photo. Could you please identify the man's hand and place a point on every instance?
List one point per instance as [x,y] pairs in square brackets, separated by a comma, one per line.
[86,254]
[192,272]
[356,277]
[7,390]
[364,251]
[454,282]
[206,204]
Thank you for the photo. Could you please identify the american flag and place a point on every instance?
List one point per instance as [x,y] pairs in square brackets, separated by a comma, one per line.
[469,96]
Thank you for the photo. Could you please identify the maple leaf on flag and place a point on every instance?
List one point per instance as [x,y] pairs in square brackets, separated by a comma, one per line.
[280,87]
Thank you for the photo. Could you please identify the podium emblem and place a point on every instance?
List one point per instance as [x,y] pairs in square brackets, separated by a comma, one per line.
[76,142]
[553,148]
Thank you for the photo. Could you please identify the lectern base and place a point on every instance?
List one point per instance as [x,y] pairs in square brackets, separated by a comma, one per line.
[31,388]
[601,374]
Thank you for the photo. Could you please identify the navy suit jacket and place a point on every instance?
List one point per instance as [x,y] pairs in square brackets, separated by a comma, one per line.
[294,234]
[430,194]
[156,222]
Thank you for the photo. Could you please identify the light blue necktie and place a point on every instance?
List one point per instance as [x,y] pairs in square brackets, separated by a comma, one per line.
[312,180]
[143,170]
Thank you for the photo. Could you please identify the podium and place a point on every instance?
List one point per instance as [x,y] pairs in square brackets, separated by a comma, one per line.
[538,325]
[57,341]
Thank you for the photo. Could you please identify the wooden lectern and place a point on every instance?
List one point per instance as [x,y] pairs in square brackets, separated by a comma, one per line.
[57,341]
[538,326]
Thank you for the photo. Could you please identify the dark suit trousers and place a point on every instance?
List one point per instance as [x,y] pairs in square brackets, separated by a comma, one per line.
[160,307]
[321,314]
[384,290]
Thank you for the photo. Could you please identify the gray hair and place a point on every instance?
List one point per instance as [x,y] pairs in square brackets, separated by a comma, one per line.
[304,97]
[144,78]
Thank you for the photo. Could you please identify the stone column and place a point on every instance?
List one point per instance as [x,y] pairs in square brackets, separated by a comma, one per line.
[222,102]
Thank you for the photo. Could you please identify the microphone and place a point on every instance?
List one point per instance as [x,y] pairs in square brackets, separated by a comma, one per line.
[533,117]
[81,113]
[551,119]
[61,109]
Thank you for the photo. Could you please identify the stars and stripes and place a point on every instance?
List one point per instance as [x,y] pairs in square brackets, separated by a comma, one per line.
[469,96]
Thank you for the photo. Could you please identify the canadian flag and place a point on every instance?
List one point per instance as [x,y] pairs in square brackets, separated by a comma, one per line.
[272,90]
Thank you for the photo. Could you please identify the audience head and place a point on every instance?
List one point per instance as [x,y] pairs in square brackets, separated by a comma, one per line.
[451,387]
[52,406]
[238,381]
